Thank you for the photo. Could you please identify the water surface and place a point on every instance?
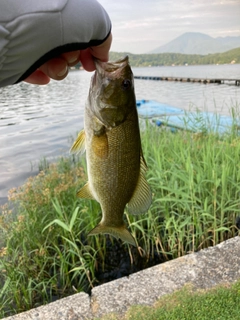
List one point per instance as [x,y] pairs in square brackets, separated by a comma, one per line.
[38,122]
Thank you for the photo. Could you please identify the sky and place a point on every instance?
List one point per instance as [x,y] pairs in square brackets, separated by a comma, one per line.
[139,26]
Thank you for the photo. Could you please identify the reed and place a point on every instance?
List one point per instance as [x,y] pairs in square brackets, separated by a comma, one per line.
[195,183]
[46,254]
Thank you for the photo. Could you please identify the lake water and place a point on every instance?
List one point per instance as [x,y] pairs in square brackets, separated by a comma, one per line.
[38,122]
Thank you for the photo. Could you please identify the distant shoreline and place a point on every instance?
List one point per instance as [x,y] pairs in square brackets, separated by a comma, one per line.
[178,59]
[175,59]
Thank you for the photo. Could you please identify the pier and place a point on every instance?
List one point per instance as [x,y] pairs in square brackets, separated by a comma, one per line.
[236,82]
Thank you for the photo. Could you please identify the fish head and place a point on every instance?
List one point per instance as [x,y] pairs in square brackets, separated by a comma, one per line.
[111,94]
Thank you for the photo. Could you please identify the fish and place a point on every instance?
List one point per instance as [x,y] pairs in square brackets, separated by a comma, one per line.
[111,138]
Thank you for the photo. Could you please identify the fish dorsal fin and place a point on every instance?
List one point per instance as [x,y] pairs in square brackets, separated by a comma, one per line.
[85,192]
[142,196]
[79,144]
[117,232]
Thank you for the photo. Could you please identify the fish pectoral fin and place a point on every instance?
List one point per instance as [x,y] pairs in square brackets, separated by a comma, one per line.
[85,192]
[100,145]
[142,197]
[79,144]
[117,232]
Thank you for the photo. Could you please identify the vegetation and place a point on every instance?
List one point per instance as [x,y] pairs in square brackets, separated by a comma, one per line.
[168,59]
[222,303]
[45,253]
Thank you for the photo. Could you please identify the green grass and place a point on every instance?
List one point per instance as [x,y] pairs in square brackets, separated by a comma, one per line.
[221,303]
[45,254]
[195,182]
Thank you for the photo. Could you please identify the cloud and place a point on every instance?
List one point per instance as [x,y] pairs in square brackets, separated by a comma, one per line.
[140,26]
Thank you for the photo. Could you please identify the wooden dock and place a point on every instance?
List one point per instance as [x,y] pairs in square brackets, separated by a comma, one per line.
[236,82]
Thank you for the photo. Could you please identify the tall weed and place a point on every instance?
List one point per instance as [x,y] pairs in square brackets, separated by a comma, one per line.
[46,254]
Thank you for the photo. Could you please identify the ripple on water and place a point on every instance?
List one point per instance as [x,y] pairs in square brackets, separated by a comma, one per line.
[37,121]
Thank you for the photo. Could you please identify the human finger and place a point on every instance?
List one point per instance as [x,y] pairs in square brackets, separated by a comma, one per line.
[56,68]
[86,59]
[101,52]
[37,77]
[71,57]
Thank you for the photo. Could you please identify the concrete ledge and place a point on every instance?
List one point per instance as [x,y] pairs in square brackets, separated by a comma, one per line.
[74,307]
[203,269]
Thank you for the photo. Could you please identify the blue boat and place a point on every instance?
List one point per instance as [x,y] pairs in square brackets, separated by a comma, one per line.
[176,118]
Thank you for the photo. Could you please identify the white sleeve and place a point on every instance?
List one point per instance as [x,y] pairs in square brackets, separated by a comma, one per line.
[33,31]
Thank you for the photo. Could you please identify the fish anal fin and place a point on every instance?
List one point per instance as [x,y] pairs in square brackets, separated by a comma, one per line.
[79,144]
[117,232]
[85,192]
[100,145]
[141,198]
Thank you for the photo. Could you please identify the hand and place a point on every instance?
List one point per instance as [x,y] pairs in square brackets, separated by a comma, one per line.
[57,68]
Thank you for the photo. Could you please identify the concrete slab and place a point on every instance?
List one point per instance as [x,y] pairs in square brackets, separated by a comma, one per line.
[203,269]
[75,307]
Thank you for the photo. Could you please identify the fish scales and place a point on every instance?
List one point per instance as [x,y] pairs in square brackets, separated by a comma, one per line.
[116,178]
[111,138]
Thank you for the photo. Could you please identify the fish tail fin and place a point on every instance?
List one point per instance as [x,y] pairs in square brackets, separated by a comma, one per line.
[117,232]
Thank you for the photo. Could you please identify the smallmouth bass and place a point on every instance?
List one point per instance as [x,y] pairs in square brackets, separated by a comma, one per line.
[111,138]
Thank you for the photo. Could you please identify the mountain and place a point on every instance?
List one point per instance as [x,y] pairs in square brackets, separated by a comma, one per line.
[198,43]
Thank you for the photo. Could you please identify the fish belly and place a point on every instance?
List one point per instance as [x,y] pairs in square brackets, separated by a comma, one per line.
[113,161]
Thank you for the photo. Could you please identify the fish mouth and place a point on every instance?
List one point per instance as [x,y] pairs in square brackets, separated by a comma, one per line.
[107,71]
[107,94]
[106,67]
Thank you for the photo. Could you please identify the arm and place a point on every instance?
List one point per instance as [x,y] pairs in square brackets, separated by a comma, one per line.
[34,32]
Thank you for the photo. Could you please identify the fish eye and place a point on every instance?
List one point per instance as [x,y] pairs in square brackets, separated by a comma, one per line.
[126,84]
